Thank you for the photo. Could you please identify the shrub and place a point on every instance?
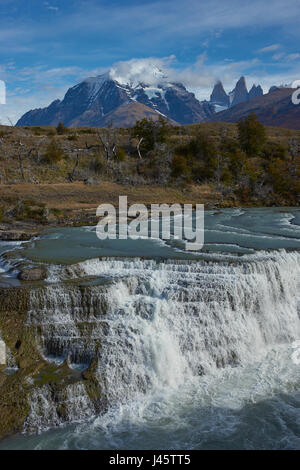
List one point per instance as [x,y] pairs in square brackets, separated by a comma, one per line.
[97,165]
[30,210]
[56,212]
[61,129]
[121,154]
[72,137]
[179,166]
[251,135]
[54,153]
[273,150]
[152,132]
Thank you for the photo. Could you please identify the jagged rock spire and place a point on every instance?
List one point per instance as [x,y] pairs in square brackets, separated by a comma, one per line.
[219,95]
[240,92]
[255,91]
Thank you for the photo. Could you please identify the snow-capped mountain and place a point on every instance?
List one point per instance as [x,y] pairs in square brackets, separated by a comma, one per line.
[91,101]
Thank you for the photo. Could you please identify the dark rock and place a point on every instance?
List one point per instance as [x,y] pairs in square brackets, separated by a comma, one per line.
[219,95]
[255,91]
[16,235]
[240,92]
[272,109]
[32,274]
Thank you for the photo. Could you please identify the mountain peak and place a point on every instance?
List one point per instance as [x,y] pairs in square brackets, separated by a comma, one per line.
[255,91]
[240,92]
[91,101]
[219,96]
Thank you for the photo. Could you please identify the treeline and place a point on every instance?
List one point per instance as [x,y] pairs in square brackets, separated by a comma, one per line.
[245,163]
[248,166]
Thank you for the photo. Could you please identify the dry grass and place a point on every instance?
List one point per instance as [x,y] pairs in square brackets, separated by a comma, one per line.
[75,196]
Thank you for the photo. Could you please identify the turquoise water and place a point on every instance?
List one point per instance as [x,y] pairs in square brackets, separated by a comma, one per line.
[229,231]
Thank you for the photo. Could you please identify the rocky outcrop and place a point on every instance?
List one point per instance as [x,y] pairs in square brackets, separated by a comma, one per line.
[41,393]
[272,109]
[220,99]
[273,88]
[16,235]
[240,92]
[33,274]
[255,92]
[219,95]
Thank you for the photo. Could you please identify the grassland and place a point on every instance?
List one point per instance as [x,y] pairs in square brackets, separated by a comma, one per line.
[48,178]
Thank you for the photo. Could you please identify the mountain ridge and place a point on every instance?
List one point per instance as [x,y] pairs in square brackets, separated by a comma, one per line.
[90,101]
[272,109]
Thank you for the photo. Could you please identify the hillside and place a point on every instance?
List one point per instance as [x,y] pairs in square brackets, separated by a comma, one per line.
[59,176]
[125,115]
[273,109]
[97,99]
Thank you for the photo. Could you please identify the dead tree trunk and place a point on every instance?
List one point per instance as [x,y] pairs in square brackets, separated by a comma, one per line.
[71,175]
[21,165]
[138,147]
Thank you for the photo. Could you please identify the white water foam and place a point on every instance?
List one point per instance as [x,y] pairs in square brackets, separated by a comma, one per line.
[164,324]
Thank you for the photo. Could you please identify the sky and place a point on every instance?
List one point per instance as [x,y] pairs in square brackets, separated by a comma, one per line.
[48,46]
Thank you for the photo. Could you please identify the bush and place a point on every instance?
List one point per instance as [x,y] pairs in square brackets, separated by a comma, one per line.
[61,129]
[56,212]
[121,154]
[30,210]
[252,135]
[72,137]
[152,132]
[273,150]
[97,165]
[54,153]
[179,167]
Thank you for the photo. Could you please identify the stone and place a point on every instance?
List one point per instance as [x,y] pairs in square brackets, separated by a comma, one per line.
[32,274]
[16,235]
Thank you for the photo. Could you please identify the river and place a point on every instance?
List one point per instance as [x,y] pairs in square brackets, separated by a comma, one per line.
[197,349]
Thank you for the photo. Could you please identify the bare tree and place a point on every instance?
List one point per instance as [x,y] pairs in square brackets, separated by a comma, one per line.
[89,147]
[72,174]
[10,121]
[138,147]
[20,157]
[108,139]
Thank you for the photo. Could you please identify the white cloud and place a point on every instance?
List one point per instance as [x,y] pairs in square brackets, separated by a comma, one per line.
[50,7]
[272,48]
[291,57]
[151,70]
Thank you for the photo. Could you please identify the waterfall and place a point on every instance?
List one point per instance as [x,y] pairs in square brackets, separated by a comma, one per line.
[74,406]
[157,324]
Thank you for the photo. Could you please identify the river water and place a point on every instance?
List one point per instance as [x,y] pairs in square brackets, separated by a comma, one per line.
[199,350]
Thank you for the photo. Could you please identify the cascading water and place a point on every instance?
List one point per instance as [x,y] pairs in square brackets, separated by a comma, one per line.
[156,326]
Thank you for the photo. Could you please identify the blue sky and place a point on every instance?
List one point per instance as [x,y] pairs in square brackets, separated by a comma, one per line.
[48,46]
